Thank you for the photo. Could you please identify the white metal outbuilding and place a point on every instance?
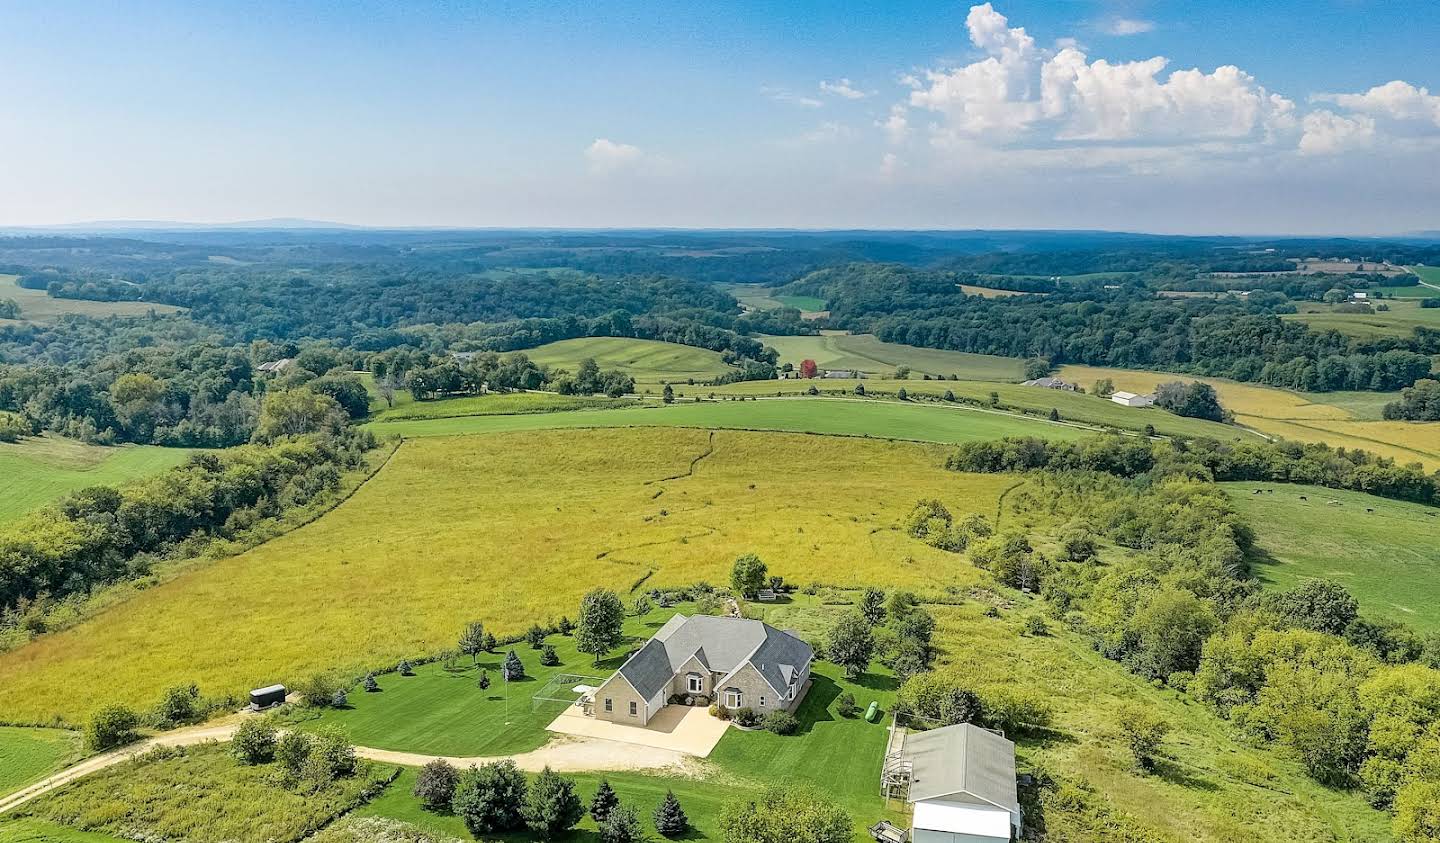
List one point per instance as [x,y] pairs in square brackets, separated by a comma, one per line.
[962,786]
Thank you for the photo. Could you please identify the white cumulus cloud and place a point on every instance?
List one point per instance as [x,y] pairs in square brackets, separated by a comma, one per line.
[1021,92]
[1327,133]
[606,156]
[1395,100]
[843,88]
[897,126]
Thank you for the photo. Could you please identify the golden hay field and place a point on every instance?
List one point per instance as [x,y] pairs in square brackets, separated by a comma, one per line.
[507,528]
[1278,412]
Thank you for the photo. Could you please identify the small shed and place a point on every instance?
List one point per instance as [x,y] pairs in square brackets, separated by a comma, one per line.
[1131,399]
[962,786]
[271,695]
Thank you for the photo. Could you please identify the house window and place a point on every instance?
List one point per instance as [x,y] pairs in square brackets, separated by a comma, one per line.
[696,683]
[732,698]
[632,708]
[762,700]
[609,704]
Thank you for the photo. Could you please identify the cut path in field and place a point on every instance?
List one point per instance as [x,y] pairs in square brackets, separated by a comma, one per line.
[929,422]
[38,470]
[510,528]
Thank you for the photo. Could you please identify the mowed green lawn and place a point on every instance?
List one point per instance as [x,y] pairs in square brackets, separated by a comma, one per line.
[1430,274]
[866,353]
[28,755]
[647,361]
[442,711]
[806,303]
[41,469]
[1389,558]
[39,306]
[880,419]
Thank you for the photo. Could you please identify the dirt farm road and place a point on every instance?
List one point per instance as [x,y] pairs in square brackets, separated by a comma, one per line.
[563,754]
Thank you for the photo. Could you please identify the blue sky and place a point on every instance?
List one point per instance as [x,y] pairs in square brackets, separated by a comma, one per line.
[1301,117]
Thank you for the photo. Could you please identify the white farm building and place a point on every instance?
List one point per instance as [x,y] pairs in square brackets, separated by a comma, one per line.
[1131,399]
[960,783]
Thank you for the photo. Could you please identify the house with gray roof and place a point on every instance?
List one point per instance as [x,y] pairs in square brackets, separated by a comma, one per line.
[735,662]
[961,785]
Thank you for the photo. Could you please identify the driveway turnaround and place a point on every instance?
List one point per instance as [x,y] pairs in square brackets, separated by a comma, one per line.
[675,728]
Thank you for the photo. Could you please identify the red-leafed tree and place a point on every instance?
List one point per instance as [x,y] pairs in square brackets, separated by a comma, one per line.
[808,369]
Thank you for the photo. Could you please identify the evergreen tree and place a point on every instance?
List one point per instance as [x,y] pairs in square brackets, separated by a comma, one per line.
[484,681]
[512,669]
[549,657]
[371,686]
[622,826]
[872,606]
[670,819]
[551,806]
[489,643]
[604,802]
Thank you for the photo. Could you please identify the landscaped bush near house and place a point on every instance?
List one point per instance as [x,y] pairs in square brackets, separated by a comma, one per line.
[622,826]
[781,723]
[548,656]
[746,717]
[845,706]
[719,710]
[435,785]
[490,798]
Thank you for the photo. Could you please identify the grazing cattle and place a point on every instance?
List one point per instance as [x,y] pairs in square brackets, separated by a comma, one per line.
[1303,498]
[1368,509]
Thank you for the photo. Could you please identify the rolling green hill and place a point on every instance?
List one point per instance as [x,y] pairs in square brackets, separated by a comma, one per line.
[647,361]
[38,470]
[866,353]
[38,306]
[1386,552]
[878,419]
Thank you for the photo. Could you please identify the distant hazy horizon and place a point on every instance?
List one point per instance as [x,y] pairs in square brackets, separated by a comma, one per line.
[1296,117]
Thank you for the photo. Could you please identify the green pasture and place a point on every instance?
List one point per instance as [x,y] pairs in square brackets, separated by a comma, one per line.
[32,830]
[1428,274]
[1401,320]
[866,353]
[41,469]
[1072,406]
[38,306]
[644,360]
[918,422]
[804,303]
[28,755]
[1386,552]
[499,404]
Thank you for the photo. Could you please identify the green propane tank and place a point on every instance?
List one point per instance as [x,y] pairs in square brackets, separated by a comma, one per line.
[873,712]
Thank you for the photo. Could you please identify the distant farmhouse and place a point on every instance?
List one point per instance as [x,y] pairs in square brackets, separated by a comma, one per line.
[735,662]
[1131,399]
[1051,383]
[843,373]
[275,367]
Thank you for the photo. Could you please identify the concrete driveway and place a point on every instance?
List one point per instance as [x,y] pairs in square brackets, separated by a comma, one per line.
[677,728]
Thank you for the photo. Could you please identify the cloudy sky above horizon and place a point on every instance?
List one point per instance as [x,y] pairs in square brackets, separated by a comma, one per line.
[1290,116]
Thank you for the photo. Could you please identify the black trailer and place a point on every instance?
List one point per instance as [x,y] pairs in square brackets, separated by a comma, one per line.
[262,698]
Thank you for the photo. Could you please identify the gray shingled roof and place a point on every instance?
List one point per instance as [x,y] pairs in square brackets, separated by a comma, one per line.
[723,644]
[962,761]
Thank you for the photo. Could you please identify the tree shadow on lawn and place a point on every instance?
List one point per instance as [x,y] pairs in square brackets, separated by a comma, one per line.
[815,708]
[876,682]
[1174,773]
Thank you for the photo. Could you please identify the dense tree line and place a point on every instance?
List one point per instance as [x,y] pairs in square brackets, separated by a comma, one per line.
[1217,337]
[1420,402]
[101,534]
[1280,462]
[1355,700]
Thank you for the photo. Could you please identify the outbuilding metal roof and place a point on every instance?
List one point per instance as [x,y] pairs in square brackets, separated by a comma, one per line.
[962,763]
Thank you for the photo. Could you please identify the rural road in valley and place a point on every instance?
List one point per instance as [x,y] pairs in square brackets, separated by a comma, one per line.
[562,754]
